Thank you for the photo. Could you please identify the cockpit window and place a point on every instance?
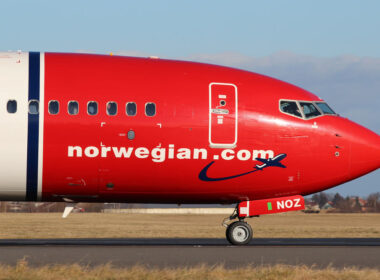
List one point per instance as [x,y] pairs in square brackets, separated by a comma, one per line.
[325,108]
[290,107]
[305,109]
[309,110]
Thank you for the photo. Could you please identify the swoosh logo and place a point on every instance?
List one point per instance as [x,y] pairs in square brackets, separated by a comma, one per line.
[275,162]
[203,174]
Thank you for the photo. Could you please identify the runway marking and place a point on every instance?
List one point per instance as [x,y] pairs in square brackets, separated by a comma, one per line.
[332,242]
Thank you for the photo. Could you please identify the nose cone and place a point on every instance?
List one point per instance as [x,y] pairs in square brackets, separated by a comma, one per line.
[365,150]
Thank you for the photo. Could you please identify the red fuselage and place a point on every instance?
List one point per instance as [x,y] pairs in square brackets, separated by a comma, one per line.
[216,135]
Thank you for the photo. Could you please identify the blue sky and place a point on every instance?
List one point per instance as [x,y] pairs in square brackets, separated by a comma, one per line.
[331,48]
[178,28]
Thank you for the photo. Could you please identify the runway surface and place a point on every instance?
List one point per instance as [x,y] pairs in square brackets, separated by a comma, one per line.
[341,252]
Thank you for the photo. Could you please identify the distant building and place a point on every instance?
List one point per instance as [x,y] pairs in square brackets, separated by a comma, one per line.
[311,207]
[327,205]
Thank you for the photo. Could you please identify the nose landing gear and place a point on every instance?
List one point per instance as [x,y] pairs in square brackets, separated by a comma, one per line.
[238,232]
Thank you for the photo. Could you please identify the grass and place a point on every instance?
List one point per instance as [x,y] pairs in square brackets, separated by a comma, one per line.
[101,225]
[94,225]
[58,272]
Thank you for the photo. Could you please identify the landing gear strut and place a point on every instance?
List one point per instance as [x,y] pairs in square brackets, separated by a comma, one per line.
[238,232]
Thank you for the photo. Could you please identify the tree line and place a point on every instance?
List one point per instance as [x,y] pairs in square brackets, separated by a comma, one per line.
[332,202]
[349,204]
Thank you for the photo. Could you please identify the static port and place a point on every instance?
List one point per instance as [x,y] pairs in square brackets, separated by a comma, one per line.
[131,135]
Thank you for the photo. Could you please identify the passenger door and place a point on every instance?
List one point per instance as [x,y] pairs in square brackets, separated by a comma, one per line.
[223,115]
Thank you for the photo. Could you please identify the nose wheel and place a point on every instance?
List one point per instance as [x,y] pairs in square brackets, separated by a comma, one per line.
[239,233]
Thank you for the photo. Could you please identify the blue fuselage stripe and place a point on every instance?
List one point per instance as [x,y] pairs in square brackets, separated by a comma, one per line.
[33,125]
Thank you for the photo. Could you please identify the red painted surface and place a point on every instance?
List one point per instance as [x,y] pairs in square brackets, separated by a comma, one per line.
[271,206]
[180,91]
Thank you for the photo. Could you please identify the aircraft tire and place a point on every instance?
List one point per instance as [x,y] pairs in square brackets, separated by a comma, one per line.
[228,234]
[239,233]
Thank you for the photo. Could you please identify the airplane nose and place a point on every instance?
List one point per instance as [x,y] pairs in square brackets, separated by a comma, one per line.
[365,151]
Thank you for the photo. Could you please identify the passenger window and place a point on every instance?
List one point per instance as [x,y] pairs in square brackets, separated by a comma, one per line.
[290,107]
[150,109]
[73,108]
[309,110]
[131,109]
[92,108]
[53,107]
[325,108]
[33,107]
[112,108]
[12,106]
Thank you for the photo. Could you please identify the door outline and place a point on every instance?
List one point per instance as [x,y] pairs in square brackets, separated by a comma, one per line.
[222,145]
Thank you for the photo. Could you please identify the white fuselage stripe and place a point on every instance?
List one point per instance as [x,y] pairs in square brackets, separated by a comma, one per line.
[41,125]
[14,78]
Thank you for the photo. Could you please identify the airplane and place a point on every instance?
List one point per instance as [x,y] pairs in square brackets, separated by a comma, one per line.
[102,128]
[276,161]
